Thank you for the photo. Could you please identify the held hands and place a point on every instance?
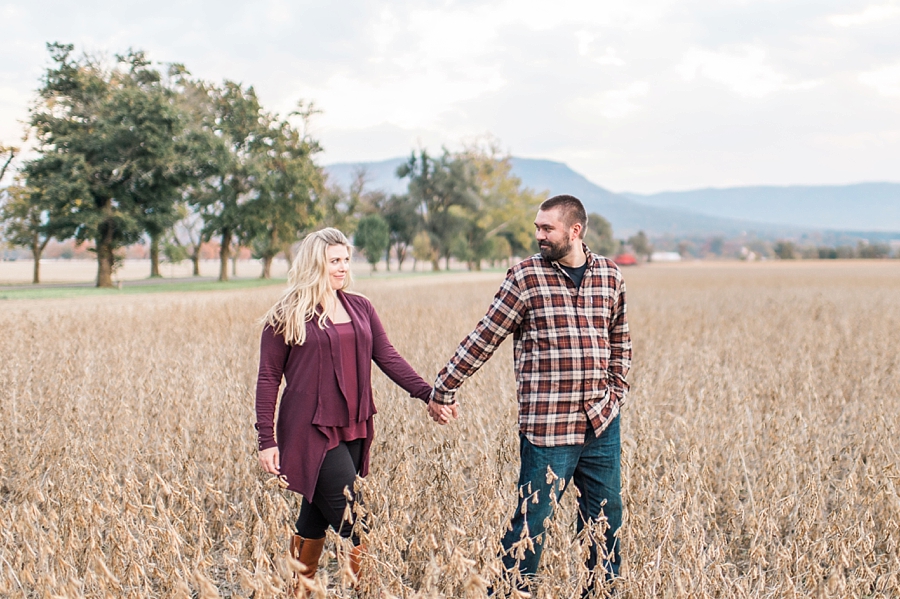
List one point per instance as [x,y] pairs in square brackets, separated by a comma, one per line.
[270,460]
[443,414]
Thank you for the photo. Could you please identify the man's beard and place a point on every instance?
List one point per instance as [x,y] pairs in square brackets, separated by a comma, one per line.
[555,252]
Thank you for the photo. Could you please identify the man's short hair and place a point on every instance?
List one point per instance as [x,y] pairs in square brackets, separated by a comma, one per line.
[571,209]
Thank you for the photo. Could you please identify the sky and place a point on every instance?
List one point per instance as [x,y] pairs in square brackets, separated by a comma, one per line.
[640,96]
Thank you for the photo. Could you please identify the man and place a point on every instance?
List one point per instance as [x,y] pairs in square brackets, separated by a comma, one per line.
[566,310]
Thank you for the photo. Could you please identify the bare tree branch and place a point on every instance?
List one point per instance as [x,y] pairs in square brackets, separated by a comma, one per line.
[12,154]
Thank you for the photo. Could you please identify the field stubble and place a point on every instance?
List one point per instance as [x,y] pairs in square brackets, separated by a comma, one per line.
[760,444]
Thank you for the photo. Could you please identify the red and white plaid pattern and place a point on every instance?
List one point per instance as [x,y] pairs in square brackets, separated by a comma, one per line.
[572,348]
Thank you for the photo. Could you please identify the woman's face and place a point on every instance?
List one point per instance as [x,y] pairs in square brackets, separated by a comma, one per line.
[338,258]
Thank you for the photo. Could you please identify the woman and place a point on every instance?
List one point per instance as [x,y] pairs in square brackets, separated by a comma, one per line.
[322,340]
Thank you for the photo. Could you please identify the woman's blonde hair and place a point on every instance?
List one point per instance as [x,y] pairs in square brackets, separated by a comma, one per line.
[308,289]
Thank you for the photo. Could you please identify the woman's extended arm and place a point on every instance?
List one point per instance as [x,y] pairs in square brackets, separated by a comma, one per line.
[273,354]
[398,370]
[392,363]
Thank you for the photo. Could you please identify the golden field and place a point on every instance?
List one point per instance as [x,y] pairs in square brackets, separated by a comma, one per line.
[761,444]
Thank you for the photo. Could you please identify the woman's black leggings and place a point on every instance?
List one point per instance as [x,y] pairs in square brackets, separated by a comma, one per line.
[328,503]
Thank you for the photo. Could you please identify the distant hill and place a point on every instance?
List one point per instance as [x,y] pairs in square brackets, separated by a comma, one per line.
[860,207]
[626,215]
[767,212]
[379,175]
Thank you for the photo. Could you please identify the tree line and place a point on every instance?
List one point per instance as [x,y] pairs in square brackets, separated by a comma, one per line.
[127,152]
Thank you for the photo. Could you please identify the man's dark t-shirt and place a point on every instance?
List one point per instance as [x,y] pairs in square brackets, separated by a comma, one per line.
[575,273]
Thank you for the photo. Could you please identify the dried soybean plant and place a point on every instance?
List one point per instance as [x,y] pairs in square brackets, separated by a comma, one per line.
[760,445]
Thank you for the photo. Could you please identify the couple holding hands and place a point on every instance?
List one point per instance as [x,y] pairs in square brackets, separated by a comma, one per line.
[565,308]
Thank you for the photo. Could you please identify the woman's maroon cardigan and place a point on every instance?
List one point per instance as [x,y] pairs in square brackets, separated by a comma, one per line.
[313,398]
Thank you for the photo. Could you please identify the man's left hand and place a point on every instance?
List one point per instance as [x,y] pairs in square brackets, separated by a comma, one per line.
[442,414]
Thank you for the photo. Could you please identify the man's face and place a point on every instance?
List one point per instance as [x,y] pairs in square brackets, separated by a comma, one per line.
[553,236]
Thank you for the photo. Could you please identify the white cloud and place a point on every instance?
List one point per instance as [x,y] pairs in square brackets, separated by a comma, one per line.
[885,80]
[11,13]
[405,102]
[542,16]
[585,40]
[431,59]
[872,14]
[610,57]
[278,13]
[745,71]
[611,104]
[384,31]
[453,35]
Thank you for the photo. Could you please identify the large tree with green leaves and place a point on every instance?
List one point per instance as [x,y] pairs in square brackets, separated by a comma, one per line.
[505,210]
[239,140]
[106,136]
[286,205]
[206,155]
[156,107]
[445,190]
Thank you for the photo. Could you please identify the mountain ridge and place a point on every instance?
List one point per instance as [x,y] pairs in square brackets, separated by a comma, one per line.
[709,211]
[871,206]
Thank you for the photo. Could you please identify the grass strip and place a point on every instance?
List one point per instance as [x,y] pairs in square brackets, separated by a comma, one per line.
[62,292]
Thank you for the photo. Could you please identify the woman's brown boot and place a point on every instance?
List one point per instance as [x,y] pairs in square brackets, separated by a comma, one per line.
[355,557]
[307,552]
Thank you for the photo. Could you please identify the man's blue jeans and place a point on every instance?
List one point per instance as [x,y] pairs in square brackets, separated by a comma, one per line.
[595,469]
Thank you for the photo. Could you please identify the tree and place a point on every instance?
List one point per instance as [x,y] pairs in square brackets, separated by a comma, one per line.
[286,205]
[444,189]
[104,138]
[845,252]
[504,208]
[165,128]
[238,139]
[785,250]
[422,250]
[641,244]
[363,202]
[340,208]
[599,236]
[25,217]
[501,251]
[75,138]
[372,238]
[404,222]
[826,253]
[873,250]
[205,155]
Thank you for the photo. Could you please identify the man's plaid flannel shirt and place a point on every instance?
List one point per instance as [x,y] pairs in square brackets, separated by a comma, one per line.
[572,348]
